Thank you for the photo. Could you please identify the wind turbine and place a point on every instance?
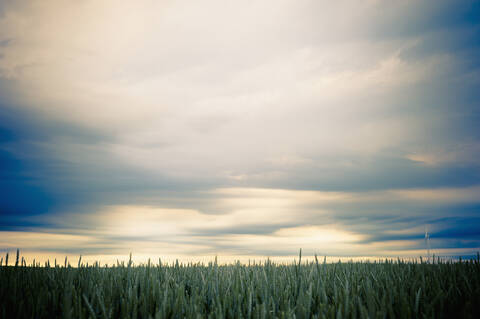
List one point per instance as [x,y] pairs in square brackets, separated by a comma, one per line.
[427,243]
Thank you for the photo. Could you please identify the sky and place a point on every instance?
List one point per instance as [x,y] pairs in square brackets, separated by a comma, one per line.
[239,129]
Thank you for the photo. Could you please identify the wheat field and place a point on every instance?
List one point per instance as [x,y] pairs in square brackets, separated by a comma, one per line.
[386,289]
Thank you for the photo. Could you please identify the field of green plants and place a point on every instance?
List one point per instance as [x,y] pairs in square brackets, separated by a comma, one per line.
[387,289]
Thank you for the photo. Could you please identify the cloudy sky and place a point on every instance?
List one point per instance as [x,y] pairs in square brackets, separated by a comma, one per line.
[243,129]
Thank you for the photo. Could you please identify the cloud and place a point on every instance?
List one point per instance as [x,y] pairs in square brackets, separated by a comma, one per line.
[370,106]
[266,222]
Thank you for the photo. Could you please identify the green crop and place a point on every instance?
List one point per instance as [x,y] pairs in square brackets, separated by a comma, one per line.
[387,289]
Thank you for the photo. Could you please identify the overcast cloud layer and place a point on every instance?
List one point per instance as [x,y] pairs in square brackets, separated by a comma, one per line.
[240,128]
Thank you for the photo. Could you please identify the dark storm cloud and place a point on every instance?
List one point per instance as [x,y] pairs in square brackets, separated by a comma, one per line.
[421,17]
[22,191]
[244,230]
